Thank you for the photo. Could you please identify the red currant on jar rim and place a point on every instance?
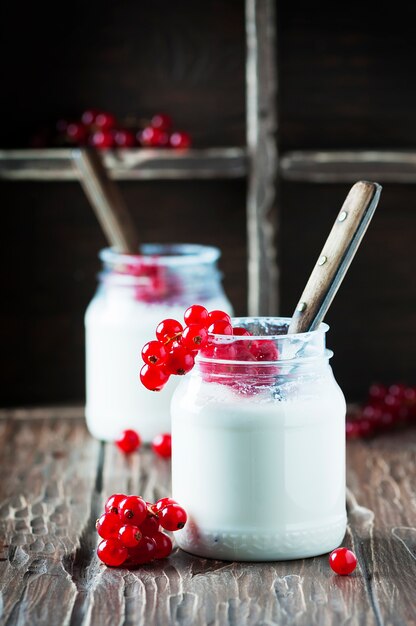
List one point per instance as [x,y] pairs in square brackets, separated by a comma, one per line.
[153,377]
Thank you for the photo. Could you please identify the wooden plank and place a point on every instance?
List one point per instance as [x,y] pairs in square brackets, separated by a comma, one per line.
[58,477]
[261,103]
[45,506]
[129,164]
[382,477]
[340,166]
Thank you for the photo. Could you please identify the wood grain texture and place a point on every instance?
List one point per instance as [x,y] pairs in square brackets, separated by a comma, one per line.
[58,478]
[262,219]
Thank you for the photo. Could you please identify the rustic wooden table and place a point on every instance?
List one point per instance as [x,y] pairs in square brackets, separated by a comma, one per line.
[54,481]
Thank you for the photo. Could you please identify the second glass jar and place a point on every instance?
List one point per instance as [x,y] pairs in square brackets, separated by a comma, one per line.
[135,293]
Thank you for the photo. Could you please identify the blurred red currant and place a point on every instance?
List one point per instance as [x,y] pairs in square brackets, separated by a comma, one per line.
[180,140]
[162,445]
[128,441]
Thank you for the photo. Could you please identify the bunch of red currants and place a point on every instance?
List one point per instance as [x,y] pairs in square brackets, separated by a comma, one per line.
[386,408]
[101,130]
[132,529]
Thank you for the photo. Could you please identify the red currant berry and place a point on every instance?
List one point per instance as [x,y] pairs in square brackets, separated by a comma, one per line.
[112,552]
[218,316]
[168,330]
[342,561]
[352,430]
[220,328]
[196,314]
[105,121]
[372,413]
[145,552]
[154,353]
[180,140]
[194,337]
[88,117]
[128,441]
[76,133]
[113,503]
[162,445]
[163,545]
[398,390]
[172,517]
[124,138]
[153,137]
[150,526]
[179,361]
[132,510]
[377,392]
[102,139]
[365,428]
[162,121]
[130,535]
[264,350]
[108,525]
[241,332]
[160,504]
[153,378]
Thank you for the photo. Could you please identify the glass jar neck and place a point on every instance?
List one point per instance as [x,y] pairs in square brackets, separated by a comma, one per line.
[163,273]
[268,355]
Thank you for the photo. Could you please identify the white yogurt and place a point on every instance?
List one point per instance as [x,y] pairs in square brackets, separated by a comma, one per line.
[261,478]
[116,331]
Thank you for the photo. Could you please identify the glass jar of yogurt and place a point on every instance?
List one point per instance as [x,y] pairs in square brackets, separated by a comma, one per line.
[135,293]
[258,459]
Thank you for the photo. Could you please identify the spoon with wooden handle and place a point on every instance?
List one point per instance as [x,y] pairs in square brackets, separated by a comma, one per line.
[338,252]
[106,201]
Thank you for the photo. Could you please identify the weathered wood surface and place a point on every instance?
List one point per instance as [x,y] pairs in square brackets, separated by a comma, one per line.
[56,164]
[261,99]
[55,478]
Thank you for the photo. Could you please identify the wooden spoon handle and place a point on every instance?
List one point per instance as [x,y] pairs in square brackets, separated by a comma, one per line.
[336,256]
[106,201]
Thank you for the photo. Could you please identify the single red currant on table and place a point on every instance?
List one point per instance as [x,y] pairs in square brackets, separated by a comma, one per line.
[128,441]
[162,445]
[342,561]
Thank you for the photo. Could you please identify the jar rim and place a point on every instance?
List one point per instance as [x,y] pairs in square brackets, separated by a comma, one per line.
[168,255]
[278,321]
[277,347]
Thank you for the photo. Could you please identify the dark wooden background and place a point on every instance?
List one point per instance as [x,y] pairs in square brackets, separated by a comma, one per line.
[345,80]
